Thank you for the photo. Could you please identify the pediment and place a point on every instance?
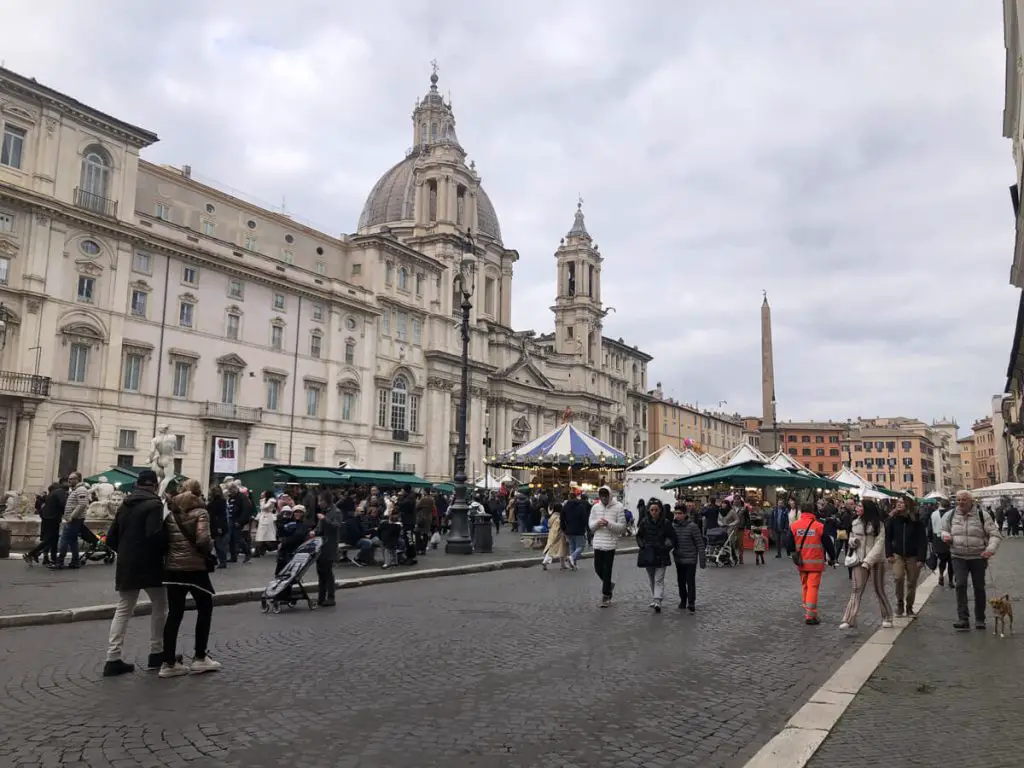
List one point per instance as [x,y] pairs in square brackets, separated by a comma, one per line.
[185,355]
[17,112]
[189,298]
[525,372]
[231,360]
[133,347]
[87,267]
[141,285]
[274,373]
[8,247]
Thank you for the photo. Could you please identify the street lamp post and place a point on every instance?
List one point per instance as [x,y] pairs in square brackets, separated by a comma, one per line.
[459,540]
[487,451]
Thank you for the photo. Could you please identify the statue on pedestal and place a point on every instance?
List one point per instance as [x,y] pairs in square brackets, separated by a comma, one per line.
[12,505]
[102,507]
[161,456]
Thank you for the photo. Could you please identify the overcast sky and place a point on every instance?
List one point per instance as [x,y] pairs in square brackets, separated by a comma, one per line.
[845,157]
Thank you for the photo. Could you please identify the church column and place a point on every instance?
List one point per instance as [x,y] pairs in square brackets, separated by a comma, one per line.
[25,415]
[506,295]
[420,202]
[451,200]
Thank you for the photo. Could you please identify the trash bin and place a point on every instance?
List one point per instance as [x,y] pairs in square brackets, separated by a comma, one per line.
[5,541]
[483,541]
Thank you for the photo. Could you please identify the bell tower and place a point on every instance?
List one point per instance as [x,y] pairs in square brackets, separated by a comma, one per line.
[578,311]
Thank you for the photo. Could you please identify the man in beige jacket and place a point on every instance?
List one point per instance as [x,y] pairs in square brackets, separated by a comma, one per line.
[973,538]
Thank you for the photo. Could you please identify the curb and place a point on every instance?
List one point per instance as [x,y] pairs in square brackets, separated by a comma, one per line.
[253,594]
[806,731]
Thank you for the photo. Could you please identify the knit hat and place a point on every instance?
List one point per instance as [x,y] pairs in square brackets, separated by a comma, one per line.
[147,477]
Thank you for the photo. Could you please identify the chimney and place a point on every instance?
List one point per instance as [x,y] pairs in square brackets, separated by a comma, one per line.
[186,171]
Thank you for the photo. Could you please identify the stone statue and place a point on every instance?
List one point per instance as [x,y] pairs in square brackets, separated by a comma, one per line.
[161,455]
[12,505]
[102,508]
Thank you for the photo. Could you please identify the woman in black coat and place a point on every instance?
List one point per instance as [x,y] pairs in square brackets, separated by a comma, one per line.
[656,538]
[217,509]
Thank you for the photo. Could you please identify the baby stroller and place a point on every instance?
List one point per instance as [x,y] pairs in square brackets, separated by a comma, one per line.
[96,549]
[720,547]
[282,588]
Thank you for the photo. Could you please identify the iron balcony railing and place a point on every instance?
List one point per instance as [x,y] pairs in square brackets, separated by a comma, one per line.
[231,412]
[410,468]
[98,204]
[24,384]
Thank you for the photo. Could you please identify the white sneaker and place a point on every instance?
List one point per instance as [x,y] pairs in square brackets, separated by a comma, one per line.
[886,625]
[166,670]
[845,625]
[205,664]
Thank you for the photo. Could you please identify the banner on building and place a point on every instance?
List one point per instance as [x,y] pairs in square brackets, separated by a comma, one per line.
[225,455]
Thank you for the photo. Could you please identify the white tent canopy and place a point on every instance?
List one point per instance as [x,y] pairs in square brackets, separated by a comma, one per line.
[670,464]
[936,495]
[741,454]
[709,461]
[490,481]
[1000,489]
[783,462]
[861,487]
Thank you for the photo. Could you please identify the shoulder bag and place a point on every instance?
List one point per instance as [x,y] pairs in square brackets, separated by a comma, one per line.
[798,559]
[209,558]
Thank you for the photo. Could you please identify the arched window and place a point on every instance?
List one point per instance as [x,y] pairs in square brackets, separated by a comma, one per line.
[403,279]
[423,133]
[433,131]
[432,202]
[460,205]
[95,183]
[399,402]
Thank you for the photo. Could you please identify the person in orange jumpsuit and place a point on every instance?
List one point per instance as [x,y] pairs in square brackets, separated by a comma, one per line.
[810,549]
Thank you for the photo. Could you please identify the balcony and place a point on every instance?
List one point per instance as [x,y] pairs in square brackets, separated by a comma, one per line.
[241,414]
[26,384]
[401,435]
[410,468]
[101,206]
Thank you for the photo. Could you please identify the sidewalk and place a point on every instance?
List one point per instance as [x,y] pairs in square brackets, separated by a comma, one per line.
[940,696]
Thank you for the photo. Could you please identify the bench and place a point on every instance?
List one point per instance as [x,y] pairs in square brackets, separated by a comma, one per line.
[534,540]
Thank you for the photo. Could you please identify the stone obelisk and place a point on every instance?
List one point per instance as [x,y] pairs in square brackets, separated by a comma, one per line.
[768,425]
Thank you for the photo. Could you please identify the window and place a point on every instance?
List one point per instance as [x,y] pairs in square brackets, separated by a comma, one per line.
[357,270]
[209,228]
[182,377]
[890,446]
[228,386]
[86,289]
[273,394]
[95,179]
[13,146]
[908,477]
[806,452]
[127,439]
[833,451]
[819,438]
[460,205]
[417,331]
[6,222]
[250,242]
[312,400]
[792,451]
[163,211]
[77,362]
[270,451]
[132,378]
[250,224]
[318,311]
[309,454]
[139,299]
[879,445]
[906,445]
[856,447]
[432,207]
[315,344]
[5,270]
[189,275]
[401,326]
[489,296]
[347,406]
[389,273]
[277,337]
[350,352]
[805,438]
[186,313]
[234,324]
[419,285]
[819,451]
[414,413]
[288,257]
[179,443]
[385,322]
[403,279]
[382,407]
[399,403]
[125,460]
[791,439]
[279,301]
[833,438]
[236,289]
[321,268]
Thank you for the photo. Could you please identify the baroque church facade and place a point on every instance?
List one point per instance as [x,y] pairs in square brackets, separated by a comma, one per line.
[137,296]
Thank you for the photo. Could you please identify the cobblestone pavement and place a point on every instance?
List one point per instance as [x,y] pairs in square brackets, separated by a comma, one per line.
[515,669]
[940,697]
[33,590]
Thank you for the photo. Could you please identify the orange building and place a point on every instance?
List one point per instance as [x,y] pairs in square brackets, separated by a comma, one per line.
[896,458]
[815,444]
[967,461]
[984,453]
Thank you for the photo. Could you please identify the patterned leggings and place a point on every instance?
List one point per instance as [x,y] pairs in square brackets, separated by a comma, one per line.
[861,576]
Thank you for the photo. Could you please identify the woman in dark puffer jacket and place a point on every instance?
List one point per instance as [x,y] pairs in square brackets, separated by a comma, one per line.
[657,539]
[187,571]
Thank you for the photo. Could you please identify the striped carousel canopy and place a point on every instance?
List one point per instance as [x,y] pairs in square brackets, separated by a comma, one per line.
[565,445]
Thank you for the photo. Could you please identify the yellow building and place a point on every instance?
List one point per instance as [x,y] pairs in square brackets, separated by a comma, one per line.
[984,453]
[897,458]
[671,422]
[966,445]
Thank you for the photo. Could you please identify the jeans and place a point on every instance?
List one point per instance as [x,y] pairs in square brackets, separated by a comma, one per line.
[780,539]
[604,561]
[577,543]
[325,580]
[69,541]
[686,578]
[656,577]
[975,568]
[176,594]
[523,523]
[243,542]
[123,613]
[905,571]
[221,544]
[49,535]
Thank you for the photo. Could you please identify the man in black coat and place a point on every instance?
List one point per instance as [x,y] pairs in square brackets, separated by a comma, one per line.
[137,535]
[328,528]
[575,522]
[240,513]
[50,513]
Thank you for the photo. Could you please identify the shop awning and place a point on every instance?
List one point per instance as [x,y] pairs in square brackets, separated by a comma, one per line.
[119,476]
[385,479]
[312,475]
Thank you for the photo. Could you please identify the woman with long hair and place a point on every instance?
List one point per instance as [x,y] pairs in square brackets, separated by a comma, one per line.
[906,547]
[656,538]
[187,567]
[867,549]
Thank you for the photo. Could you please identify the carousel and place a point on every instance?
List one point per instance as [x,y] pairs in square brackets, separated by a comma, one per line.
[564,458]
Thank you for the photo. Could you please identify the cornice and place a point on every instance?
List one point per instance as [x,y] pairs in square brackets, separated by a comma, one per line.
[397,248]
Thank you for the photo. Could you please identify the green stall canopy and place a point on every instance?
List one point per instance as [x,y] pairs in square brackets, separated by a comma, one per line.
[752,473]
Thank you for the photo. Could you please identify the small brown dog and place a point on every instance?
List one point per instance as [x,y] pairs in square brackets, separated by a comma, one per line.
[1002,609]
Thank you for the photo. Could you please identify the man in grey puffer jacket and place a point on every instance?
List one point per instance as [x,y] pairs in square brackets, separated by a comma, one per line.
[689,551]
[973,538]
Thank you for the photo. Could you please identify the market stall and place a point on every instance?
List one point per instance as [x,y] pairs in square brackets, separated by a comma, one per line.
[667,464]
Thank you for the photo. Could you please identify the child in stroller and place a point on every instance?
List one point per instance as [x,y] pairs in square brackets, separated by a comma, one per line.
[96,549]
[720,548]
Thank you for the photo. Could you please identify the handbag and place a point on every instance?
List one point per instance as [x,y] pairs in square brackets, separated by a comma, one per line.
[209,558]
[932,561]
[852,560]
[798,559]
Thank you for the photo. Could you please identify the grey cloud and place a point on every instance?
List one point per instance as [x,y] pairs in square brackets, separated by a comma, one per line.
[825,152]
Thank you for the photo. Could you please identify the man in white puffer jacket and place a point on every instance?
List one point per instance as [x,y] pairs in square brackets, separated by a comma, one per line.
[607,521]
[973,538]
